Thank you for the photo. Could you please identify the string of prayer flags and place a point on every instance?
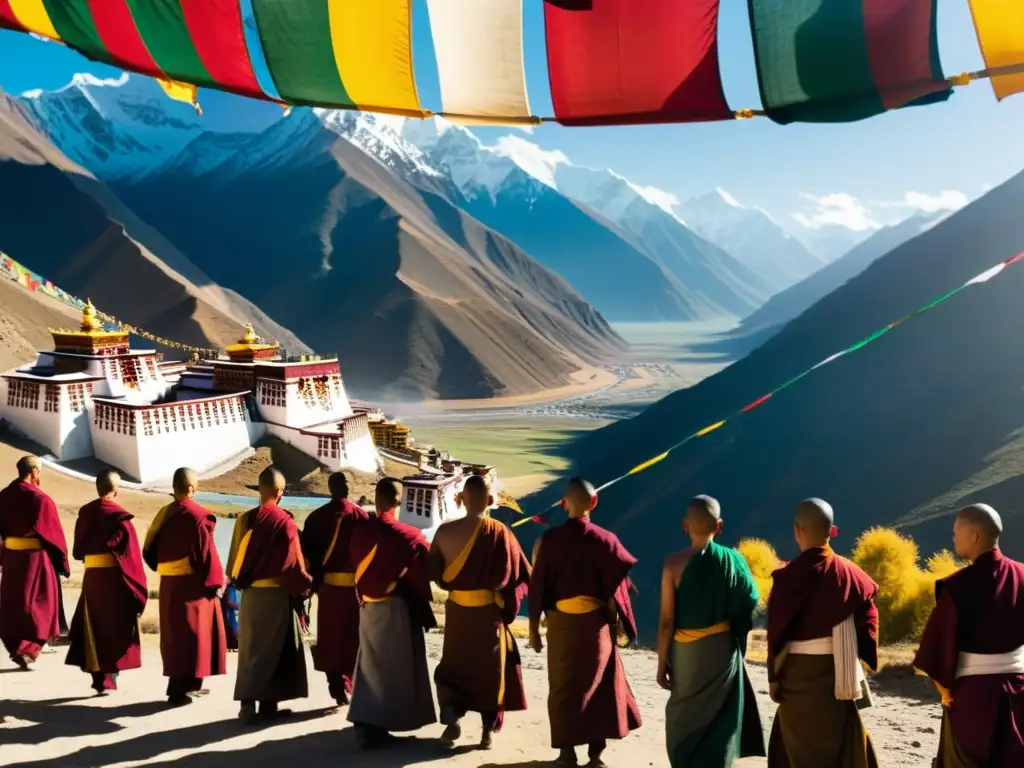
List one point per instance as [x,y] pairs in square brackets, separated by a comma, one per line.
[984,277]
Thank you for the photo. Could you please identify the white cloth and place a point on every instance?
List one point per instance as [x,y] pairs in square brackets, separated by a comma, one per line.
[971,664]
[851,684]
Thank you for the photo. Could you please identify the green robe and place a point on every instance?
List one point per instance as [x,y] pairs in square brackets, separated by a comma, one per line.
[711,719]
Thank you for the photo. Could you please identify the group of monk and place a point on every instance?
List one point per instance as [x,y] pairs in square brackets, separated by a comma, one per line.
[372,575]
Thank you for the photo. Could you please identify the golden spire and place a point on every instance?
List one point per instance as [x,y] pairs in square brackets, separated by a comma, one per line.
[250,335]
[89,320]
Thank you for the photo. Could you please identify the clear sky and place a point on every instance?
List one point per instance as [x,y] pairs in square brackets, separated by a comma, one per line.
[857,172]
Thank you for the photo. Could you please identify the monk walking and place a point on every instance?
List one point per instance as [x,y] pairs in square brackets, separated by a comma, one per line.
[33,554]
[266,564]
[973,648]
[708,598]
[104,635]
[580,580]
[480,563]
[180,548]
[822,622]
[391,691]
[325,544]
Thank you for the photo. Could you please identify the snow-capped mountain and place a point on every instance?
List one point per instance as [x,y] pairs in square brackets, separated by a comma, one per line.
[113,127]
[752,236]
[831,241]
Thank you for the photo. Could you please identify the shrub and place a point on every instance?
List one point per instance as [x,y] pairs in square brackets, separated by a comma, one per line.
[891,559]
[943,564]
[762,560]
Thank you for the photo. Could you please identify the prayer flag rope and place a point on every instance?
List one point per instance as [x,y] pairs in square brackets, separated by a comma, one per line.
[644,466]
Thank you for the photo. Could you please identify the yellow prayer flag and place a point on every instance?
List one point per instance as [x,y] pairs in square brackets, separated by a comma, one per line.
[1000,28]
[33,16]
[181,92]
[712,428]
[647,464]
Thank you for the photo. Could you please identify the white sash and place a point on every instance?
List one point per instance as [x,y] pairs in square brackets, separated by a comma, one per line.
[971,664]
[851,684]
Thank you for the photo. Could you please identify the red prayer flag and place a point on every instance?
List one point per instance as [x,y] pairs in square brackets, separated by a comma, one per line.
[634,61]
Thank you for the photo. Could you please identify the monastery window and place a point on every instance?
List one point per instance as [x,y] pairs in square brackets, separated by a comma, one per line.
[272,393]
[23,394]
[334,447]
[52,402]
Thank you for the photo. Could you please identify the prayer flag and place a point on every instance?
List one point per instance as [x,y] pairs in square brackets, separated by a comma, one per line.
[1000,28]
[634,61]
[482,72]
[820,61]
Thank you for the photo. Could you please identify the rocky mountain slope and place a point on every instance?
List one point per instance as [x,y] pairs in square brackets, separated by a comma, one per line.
[924,420]
[64,224]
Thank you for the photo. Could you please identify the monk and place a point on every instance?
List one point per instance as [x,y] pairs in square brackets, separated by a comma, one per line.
[479,562]
[180,547]
[266,564]
[822,622]
[580,581]
[391,691]
[708,598]
[973,649]
[33,555]
[325,540]
[104,634]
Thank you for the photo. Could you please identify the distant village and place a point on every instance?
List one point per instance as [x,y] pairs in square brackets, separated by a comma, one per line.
[93,396]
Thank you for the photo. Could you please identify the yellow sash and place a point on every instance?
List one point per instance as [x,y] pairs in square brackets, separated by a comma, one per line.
[100,561]
[340,579]
[579,605]
[182,567]
[333,544]
[361,570]
[478,598]
[18,544]
[266,583]
[158,524]
[693,635]
[455,567]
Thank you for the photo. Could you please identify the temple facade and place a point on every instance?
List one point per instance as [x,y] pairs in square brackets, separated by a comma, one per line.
[93,396]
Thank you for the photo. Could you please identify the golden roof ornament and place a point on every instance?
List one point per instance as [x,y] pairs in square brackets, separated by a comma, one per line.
[89,320]
[250,335]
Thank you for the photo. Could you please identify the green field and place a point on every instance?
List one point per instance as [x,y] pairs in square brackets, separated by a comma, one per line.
[517,448]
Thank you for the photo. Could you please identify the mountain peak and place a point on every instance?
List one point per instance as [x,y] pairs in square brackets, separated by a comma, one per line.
[727,198]
[536,161]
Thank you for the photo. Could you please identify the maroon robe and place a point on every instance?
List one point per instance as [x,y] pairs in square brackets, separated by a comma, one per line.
[979,609]
[400,559]
[193,642]
[812,594]
[274,551]
[325,545]
[480,668]
[105,628]
[29,588]
[590,699]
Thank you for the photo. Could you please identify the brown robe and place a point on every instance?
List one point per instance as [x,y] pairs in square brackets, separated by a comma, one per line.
[480,668]
[580,581]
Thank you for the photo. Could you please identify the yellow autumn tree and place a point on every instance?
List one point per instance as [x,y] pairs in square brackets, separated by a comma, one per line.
[762,560]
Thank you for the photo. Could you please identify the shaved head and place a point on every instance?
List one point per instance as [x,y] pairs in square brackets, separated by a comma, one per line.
[185,481]
[476,494]
[107,482]
[337,484]
[271,485]
[388,494]
[703,515]
[27,465]
[580,497]
[816,517]
[987,521]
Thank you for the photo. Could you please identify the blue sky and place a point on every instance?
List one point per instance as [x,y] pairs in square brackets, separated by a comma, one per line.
[859,172]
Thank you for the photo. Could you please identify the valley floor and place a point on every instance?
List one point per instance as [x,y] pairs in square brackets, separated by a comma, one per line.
[53,721]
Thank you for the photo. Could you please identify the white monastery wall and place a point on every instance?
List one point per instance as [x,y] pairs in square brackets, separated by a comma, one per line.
[354,450]
[150,442]
[23,406]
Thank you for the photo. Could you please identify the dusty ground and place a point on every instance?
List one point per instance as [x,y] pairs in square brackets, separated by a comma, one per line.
[53,721]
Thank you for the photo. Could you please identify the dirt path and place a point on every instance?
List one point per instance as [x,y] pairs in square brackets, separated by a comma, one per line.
[53,721]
